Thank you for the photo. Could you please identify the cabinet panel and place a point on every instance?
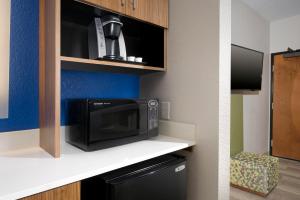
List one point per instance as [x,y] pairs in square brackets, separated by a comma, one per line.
[153,11]
[68,192]
[49,76]
[142,40]
[113,5]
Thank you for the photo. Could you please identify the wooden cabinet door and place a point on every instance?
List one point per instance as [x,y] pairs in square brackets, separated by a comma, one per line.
[286,107]
[67,192]
[113,5]
[153,11]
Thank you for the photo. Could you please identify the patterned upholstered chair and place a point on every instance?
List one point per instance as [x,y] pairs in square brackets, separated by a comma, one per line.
[254,173]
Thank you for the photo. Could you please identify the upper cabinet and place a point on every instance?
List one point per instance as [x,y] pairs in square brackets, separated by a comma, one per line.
[113,5]
[152,11]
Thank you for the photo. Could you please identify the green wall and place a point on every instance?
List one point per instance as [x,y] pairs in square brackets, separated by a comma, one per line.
[236,135]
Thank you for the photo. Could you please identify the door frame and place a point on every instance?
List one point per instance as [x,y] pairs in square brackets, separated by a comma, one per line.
[271,98]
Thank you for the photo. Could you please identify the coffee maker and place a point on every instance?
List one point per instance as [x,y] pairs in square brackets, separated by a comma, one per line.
[106,40]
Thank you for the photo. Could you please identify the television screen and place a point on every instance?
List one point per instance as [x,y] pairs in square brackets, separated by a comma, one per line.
[246,68]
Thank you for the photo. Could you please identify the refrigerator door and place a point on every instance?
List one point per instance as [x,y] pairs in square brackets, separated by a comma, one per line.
[165,182]
[163,178]
[161,185]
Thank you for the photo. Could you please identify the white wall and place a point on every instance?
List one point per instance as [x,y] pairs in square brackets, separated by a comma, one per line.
[250,30]
[285,33]
[198,86]
[4,56]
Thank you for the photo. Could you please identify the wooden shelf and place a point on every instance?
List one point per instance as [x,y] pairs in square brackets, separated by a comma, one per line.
[71,63]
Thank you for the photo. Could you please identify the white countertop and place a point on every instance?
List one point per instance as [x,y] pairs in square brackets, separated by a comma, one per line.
[31,171]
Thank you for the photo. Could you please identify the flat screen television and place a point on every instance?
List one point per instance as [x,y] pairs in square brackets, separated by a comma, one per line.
[246,68]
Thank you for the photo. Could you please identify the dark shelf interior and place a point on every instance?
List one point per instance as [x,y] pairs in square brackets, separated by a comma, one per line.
[142,39]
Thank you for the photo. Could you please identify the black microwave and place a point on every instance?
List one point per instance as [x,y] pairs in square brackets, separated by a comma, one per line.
[102,123]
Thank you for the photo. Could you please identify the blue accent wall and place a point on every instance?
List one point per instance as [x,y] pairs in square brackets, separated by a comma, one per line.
[96,85]
[23,97]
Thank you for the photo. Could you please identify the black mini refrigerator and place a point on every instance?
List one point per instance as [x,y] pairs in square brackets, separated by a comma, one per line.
[162,178]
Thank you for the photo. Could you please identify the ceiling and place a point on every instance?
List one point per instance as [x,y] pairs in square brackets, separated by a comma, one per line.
[275,9]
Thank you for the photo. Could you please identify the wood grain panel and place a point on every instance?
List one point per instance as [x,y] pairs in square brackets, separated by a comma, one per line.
[113,5]
[153,11]
[49,76]
[67,192]
[286,111]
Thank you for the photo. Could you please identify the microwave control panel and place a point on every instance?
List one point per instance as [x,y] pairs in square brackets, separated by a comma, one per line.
[153,111]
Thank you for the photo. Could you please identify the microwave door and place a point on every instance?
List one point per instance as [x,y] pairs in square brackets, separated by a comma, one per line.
[113,108]
[114,122]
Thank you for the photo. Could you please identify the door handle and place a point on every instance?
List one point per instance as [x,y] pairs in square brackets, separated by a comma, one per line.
[122,3]
[133,4]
